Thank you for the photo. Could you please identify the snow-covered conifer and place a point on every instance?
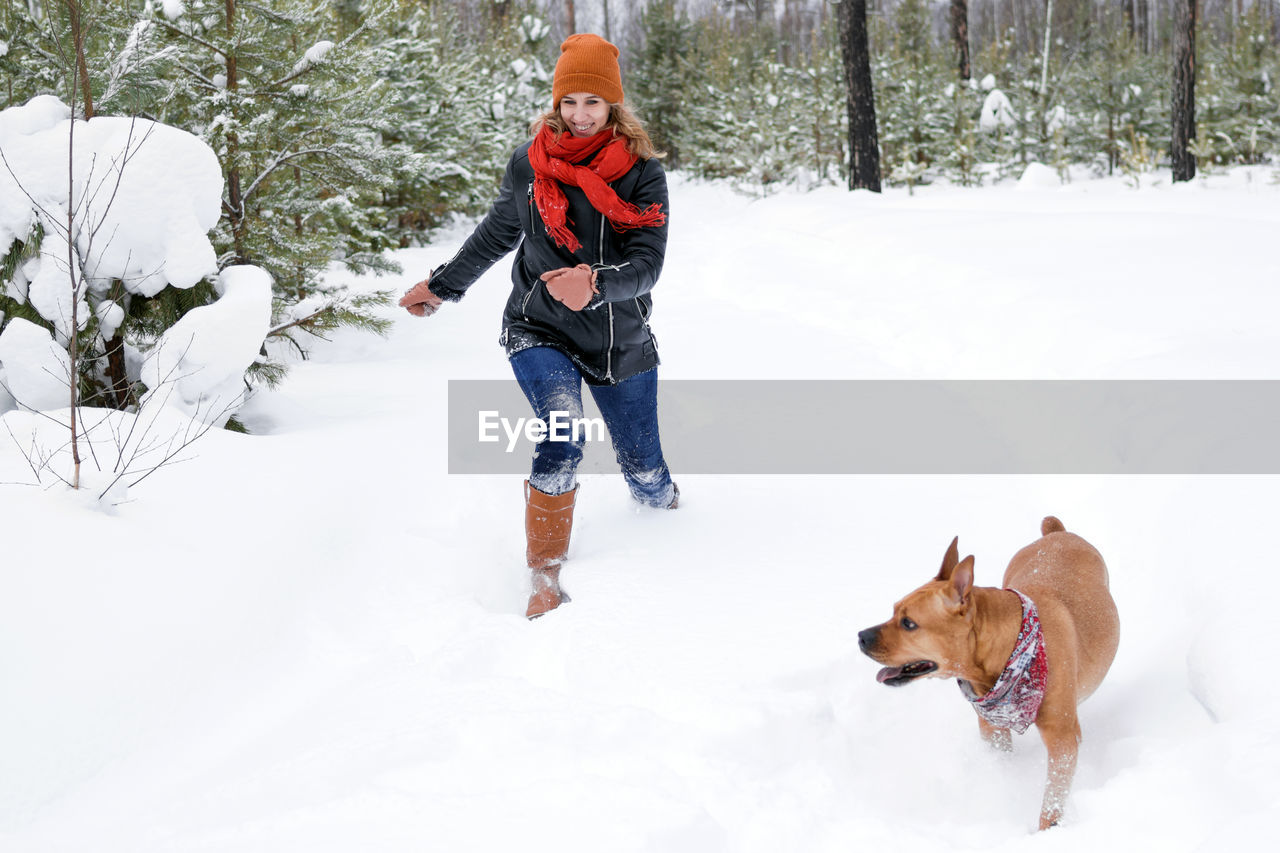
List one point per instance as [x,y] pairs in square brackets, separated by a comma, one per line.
[444,118]
[1238,103]
[665,83]
[297,115]
[914,113]
[1115,95]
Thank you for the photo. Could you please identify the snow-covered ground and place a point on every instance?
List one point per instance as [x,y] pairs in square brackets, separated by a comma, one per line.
[311,637]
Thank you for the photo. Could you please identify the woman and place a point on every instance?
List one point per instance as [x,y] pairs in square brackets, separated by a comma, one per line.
[589,199]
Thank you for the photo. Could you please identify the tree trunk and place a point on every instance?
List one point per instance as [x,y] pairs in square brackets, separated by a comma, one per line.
[1044,72]
[120,395]
[960,36]
[235,201]
[1184,91]
[73,345]
[1019,19]
[571,16]
[80,79]
[864,142]
[82,67]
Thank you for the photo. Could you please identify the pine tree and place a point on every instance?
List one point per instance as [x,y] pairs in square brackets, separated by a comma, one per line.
[960,157]
[444,117]
[100,58]
[1239,107]
[775,147]
[663,83]
[297,121]
[915,113]
[822,121]
[713,111]
[517,62]
[754,120]
[1004,148]
[27,65]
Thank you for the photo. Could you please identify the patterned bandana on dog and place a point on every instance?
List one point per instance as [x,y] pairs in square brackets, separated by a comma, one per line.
[1015,699]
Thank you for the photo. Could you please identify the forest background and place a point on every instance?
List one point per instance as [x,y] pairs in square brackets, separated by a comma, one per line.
[346,128]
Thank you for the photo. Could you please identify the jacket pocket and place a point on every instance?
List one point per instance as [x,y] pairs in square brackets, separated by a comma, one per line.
[524,303]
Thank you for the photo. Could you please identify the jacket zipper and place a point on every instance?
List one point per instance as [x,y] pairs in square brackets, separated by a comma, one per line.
[533,229]
[608,360]
[533,226]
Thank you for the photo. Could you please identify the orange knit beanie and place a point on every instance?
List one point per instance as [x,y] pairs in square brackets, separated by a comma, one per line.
[587,63]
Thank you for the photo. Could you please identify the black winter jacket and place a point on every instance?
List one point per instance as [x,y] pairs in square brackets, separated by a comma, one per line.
[609,340]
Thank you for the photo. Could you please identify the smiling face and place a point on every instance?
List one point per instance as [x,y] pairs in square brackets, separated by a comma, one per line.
[585,114]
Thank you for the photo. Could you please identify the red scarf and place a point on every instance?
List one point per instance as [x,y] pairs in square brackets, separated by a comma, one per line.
[554,163]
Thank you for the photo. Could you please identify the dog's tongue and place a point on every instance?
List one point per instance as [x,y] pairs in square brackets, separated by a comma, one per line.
[888,672]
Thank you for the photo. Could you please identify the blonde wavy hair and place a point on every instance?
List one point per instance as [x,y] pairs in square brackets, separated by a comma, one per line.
[622,122]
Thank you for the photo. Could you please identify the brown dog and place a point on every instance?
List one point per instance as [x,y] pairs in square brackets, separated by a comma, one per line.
[1027,656]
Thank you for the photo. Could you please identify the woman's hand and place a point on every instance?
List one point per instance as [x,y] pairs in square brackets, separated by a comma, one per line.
[573,287]
[419,301]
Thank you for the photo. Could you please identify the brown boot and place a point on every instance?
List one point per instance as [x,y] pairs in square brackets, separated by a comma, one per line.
[548,520]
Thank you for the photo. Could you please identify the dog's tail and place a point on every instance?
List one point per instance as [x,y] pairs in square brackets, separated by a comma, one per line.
[1051,525]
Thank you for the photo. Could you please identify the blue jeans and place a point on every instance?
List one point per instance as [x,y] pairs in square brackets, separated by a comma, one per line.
[552,383]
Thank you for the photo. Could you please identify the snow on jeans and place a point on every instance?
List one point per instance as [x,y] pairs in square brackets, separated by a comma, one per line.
[552,383]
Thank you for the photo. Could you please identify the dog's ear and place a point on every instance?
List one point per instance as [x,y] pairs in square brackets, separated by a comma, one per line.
[950,560]
[961,582]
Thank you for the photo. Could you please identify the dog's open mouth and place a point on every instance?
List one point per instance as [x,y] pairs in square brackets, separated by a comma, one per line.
[899,675]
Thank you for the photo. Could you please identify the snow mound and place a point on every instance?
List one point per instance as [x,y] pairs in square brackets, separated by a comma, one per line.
[35,370]
[146,197]
[1214,673]
[168,200]
[40,113]
[198,365]
[51,294]
[1038,176]
[997,112]
[16,123]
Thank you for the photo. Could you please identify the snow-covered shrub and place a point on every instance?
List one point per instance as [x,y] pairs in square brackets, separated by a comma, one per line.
[91,239]
[98,218]
[198,364]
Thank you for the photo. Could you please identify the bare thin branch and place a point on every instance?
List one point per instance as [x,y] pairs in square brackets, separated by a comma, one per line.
[278,163]
[192,37]
[300,321]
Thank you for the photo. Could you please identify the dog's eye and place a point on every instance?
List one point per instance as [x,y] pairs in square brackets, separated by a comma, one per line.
[907,624]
